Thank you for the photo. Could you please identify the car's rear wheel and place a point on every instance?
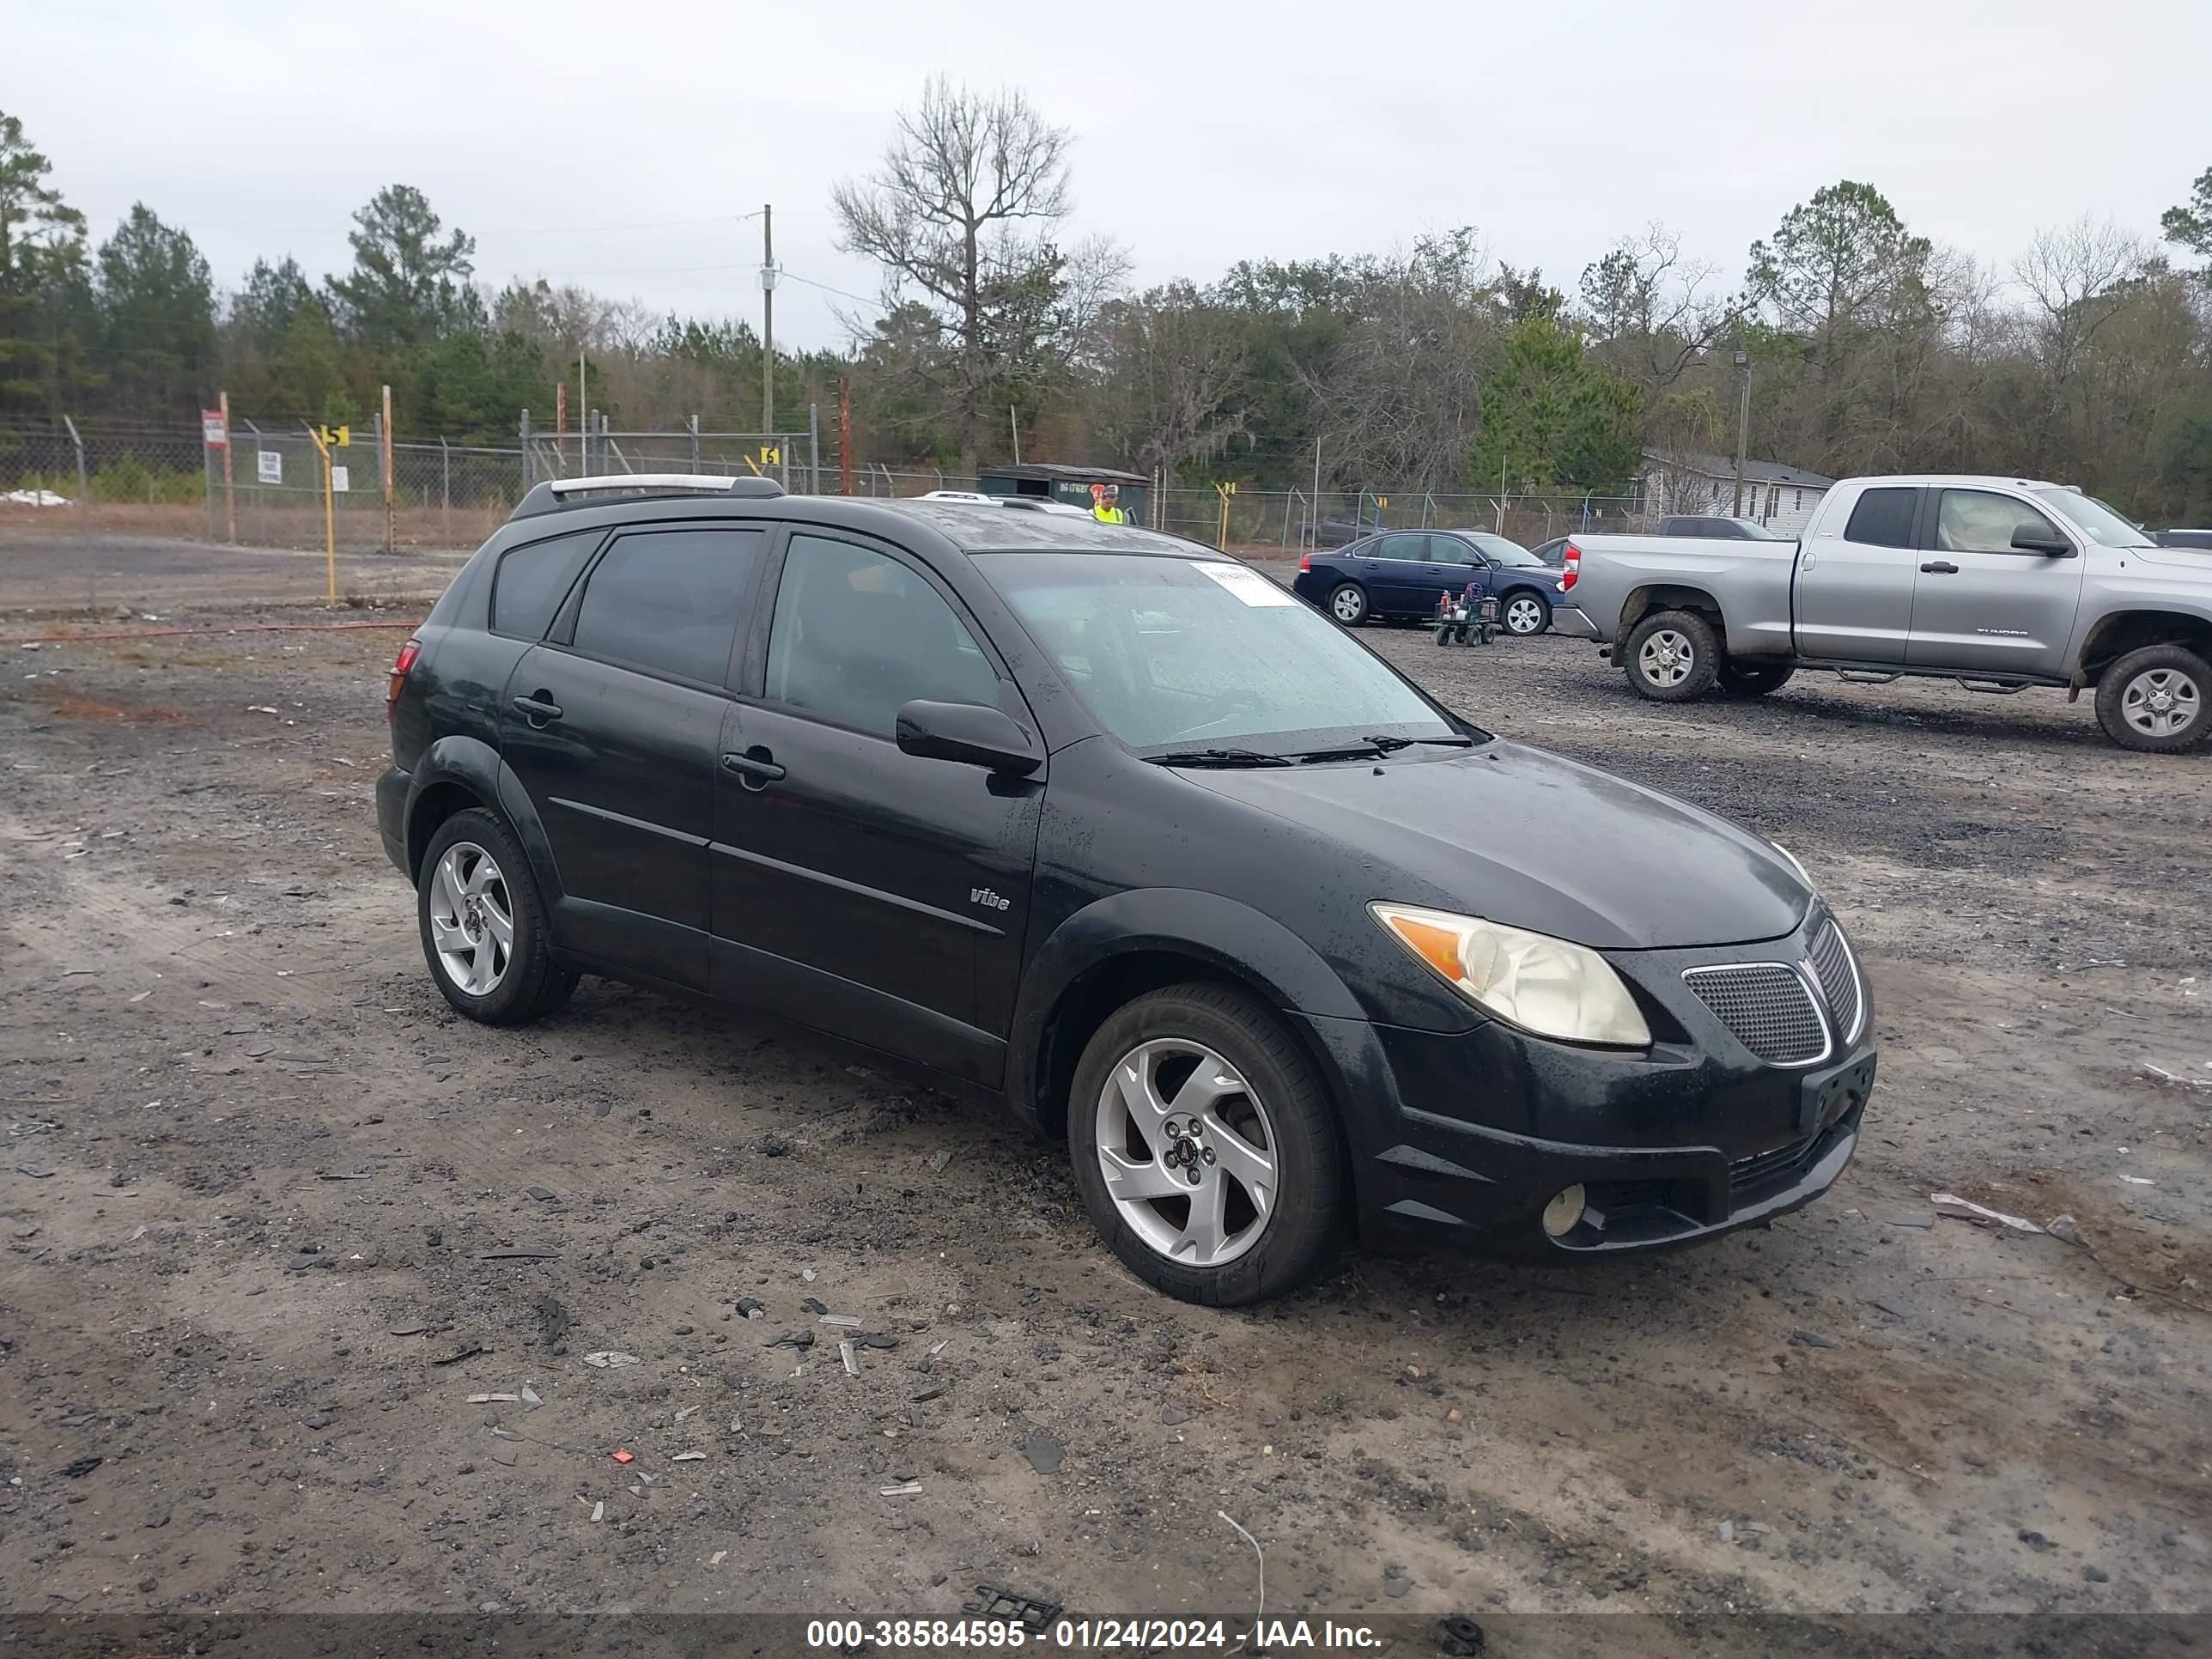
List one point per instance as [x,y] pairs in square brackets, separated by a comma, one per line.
[2158,700]
[1671,656]
[483,924]
[1526,614]
[1205,1147]
[1348,604]
[1754,679]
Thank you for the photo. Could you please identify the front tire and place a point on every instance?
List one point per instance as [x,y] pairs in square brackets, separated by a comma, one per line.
[1205,1147]
[483,923]
[1754,679]
[1526,615]
[1671,657]
[1347,603]
[2157,700]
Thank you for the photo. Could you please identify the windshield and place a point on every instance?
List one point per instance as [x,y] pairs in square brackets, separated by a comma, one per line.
[1500,551]
[2092,518]
[1173,654]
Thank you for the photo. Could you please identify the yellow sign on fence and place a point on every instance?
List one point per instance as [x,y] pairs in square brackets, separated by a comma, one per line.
[337,437]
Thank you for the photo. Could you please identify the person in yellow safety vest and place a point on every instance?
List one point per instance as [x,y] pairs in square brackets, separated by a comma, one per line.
[1103,507]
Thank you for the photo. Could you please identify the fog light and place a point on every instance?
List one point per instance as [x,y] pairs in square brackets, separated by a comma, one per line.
[1562,1211]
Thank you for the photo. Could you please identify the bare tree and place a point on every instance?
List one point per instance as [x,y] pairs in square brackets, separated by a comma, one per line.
[1648,310]
[964,210]
[1171,369]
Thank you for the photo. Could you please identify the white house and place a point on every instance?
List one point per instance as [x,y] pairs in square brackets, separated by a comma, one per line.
[1780,497]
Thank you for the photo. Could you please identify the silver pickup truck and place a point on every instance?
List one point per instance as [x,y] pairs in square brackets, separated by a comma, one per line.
[1998,583]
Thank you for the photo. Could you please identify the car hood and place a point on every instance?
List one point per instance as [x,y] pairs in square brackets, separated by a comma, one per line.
[1529,838]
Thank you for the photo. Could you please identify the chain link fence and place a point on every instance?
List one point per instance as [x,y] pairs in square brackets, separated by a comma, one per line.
[164,479]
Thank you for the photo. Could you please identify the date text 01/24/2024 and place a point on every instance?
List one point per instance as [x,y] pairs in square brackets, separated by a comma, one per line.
[1088,1635]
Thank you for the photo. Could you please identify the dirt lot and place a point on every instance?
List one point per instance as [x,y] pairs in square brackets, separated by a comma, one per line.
[260,1180]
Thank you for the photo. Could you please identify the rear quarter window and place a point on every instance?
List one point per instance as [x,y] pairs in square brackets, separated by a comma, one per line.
[530,581]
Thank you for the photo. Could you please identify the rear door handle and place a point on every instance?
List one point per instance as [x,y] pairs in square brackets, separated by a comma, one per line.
[754,770]
[540,708]
[1939,568]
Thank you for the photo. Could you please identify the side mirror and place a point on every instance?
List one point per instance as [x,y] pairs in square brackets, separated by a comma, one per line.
[972,733]
[2037,539]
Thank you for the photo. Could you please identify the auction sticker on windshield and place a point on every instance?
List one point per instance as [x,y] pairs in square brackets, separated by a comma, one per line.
[1248,585]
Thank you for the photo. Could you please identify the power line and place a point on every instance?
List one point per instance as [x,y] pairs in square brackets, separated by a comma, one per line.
[536,230]
[841,293]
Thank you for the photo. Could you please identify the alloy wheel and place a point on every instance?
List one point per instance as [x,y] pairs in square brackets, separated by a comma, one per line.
[1188,1151]
[2159,703]
[1348,605]
[472,919]
[1523,615]
[1667,657]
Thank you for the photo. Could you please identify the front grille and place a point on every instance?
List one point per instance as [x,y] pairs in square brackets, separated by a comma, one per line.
[1839,977]
[1766,1007]
[1768,1166]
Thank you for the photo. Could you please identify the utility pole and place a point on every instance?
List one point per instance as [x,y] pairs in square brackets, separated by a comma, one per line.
[845,437]
[1742,427]
[583,418]
[767,321]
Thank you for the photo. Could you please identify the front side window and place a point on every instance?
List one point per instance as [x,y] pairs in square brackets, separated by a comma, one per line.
[1982,521]
[1171,654]
[669,600]
[1883,517]
[856,634]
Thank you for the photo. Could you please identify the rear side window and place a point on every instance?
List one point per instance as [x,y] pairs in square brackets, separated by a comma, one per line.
[1883,517]
[856,634]
[531,582]
[669,600]
[1412,549]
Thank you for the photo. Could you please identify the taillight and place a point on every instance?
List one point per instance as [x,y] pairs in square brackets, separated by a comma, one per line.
[400,664]
[1574,567]
[1305,564]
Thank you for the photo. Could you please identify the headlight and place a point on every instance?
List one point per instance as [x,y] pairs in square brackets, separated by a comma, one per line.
[1801,874]
[1539,983]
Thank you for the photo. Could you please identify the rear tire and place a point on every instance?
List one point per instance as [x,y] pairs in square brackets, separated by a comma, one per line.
[1250,1113]
[1347,603]
[1671,657]
[2157,701]
[1526,615]
[474,883]
[1753,679]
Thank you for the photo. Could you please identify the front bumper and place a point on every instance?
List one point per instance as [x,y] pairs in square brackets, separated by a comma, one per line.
[1468,1136]
[1570,619]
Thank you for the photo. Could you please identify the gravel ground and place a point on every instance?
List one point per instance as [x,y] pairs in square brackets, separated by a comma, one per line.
[264,1196]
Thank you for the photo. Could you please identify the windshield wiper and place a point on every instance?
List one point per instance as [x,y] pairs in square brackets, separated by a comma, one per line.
[1216,757]
[1384,744]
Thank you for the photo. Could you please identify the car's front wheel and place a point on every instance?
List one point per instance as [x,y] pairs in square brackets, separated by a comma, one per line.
[1205,1146]
[1348,604]
[483,923]
[1525,615]
[2158,700]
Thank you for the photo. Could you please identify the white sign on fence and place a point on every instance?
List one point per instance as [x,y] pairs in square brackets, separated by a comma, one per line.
[271,463]
[338,480]
[214,432]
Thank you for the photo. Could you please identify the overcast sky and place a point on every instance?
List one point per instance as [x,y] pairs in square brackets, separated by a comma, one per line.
[614,145]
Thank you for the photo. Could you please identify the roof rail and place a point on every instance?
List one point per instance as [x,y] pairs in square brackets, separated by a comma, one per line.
[556,494]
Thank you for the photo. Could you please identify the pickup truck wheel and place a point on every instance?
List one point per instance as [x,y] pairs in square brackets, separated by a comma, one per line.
[1348,604]
[1747,679]
[1671,657]
[2158,700]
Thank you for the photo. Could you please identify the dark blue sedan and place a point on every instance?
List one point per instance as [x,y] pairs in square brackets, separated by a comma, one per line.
[1402,573]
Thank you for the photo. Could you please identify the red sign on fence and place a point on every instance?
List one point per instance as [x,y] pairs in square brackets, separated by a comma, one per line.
[213,433]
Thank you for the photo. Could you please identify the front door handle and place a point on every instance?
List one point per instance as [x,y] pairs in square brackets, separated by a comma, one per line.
[539,708]
[756,769]
[1939,568]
